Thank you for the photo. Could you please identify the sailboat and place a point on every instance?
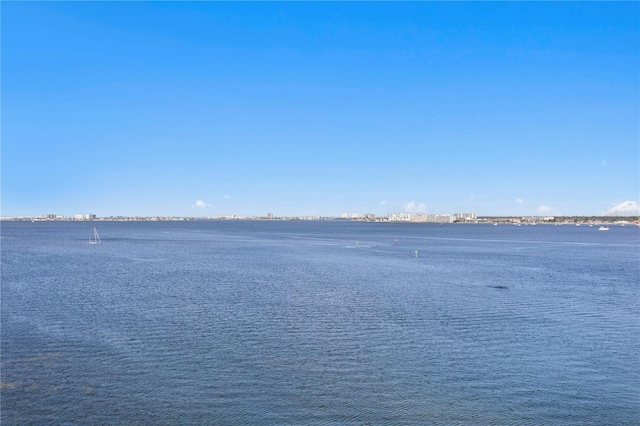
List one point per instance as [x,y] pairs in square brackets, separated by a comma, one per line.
[95,238]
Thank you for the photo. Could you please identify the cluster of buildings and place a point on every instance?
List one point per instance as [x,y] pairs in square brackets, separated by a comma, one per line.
[415,217]
[50,216]
[432,218]
[84,216]
[91,217]
[392,217]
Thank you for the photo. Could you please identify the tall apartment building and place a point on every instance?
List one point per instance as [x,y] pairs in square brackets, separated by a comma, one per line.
[459,217]
[85,216]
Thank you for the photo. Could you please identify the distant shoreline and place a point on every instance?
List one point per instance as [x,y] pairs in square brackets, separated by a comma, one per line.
[557,220]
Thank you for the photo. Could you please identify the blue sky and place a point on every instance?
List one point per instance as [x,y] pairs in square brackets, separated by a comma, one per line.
[199,109]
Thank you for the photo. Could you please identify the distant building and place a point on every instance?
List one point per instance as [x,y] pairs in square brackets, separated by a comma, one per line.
[269,215]
[420,217]
[354,215]
[399,217]
[345,215]
[461,217]
[443,218]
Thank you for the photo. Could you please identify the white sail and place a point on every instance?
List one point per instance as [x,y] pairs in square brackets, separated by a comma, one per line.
[95,238]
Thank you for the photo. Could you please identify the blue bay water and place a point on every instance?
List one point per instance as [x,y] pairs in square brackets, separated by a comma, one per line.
[269,322]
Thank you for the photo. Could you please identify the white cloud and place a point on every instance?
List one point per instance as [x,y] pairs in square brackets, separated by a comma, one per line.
[519,201]
[625,208]
[409,206]
[472,197]
[413,207]
[226,197]
[544,209]
[200,204]
[604,162]
[383,202]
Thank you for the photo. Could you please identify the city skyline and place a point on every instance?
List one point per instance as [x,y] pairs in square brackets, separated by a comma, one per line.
[457,217]
[315,109]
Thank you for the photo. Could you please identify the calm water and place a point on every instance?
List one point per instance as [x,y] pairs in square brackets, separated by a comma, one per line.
[319,323]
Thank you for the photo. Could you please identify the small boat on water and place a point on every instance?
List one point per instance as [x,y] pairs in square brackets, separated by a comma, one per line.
[95,238]
[603,228]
